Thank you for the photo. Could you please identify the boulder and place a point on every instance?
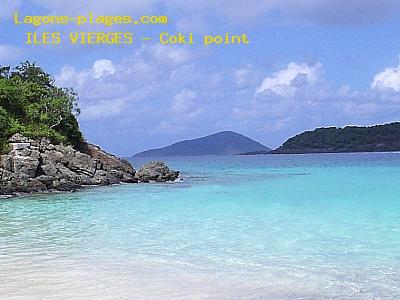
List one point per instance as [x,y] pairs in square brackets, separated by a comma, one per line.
[117,169]
[156,171]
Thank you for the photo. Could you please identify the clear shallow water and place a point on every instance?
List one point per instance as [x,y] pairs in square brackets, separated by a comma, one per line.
[265,227]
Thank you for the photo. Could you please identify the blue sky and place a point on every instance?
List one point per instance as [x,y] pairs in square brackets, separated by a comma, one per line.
[310,63]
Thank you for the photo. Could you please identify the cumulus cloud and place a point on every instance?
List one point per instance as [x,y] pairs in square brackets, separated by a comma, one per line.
[104,109]
[103,68]
[152,74]
[184,102]
[101,92]
[285,82]
[240,76]
[299,96]
[388,80]
[68,76]
[245,76]
[184,111]
[168,55]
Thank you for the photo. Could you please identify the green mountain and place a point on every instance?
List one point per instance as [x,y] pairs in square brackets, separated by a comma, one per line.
[379,138]
[222,143]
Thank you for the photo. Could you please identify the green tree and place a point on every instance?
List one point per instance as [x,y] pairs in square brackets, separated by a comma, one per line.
[34,106]
[5,124]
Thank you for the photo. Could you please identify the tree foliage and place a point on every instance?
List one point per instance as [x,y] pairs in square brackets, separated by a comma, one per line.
[348,139]
[31,104]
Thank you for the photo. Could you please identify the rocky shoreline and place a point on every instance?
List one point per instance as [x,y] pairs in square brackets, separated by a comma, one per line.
[38,166]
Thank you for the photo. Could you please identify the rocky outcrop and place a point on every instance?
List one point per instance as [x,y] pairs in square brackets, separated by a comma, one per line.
[115,167]
[39,166]
[156,171]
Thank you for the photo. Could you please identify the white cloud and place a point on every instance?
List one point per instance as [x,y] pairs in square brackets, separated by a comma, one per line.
[184,111]
[153,73]
[184,102]
[240,76]
[103,109]
[286,82]
[171,55]
[100,96]
[388,80]
[102,68]
[69,77]
[298,96]
[244,76]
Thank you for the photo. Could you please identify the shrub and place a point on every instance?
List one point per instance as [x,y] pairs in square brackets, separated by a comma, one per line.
[31,104]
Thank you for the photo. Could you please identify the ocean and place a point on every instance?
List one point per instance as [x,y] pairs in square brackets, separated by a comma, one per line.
[320,226]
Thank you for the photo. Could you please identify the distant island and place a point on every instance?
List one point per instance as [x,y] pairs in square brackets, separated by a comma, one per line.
[378,138]
[221,143]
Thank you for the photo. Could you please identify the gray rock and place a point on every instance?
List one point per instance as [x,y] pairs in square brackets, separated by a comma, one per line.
[43,166]
[65,185]
[46,180]
[156,171]
[36,186]
[19,138]
[25,165]
[117,169]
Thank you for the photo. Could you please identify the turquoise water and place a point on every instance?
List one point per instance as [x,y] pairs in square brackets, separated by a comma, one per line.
[266,227]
